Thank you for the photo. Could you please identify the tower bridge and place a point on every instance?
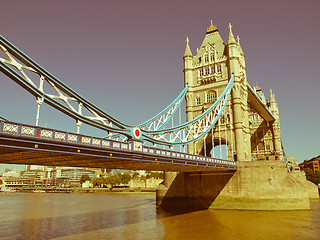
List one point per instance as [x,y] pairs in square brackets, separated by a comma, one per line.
[222,108]
[249,113]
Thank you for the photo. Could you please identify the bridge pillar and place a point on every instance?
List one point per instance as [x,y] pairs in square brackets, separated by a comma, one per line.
[276,127]
[192,191]
[239,102]
[239,136]
[256,185]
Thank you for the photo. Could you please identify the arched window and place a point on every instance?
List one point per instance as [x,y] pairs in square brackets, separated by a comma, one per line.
[212,56]
[228,118]
[212,69]
[206,71]
[211,97]
[198,101]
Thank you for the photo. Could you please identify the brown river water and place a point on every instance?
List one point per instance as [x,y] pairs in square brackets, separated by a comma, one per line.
[135,216]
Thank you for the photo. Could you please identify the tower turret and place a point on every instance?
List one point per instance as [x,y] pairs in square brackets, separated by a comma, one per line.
[242,56]
[233,52]
[273,104]
[188,63]
[276,127]
[239,97]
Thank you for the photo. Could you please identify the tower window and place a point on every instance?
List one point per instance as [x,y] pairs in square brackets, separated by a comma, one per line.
[211,97]
[212,69]
[200,72]
[219,68]
[199,59]
[206,58]
[206,71]
[198,101]
[212,57]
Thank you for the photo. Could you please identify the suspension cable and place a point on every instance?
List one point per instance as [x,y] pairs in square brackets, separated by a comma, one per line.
[180,122]
[205,147]
[225,133]
[231,129]
[219,123]
[212,142]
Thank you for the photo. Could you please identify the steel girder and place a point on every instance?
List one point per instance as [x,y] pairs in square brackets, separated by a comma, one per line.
[99,118]
[152,130]
[195,129]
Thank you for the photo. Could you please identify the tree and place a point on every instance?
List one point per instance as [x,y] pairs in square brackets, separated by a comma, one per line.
[114,180]
[155,175]
[99,182]
[84,177]
[124,178]
[312,176]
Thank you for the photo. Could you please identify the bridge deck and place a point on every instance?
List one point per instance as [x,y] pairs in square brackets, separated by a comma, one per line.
[255,101]
[24,144]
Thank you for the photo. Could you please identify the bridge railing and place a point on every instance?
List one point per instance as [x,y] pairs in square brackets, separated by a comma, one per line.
[137,146]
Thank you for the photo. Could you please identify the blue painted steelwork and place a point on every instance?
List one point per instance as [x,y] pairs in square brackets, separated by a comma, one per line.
[173,107]
[16,135]
[216,109]
[180,134]
[161,119]
[30,87]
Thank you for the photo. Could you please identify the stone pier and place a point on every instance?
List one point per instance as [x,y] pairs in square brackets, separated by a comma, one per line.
[256,185]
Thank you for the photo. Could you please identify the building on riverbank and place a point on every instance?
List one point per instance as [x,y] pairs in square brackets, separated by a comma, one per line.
[313,163]
[48,176]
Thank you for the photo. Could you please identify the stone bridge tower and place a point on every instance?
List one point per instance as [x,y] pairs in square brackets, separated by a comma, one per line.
[250,126]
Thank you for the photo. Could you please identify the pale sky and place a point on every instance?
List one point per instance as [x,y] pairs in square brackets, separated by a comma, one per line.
[127,56]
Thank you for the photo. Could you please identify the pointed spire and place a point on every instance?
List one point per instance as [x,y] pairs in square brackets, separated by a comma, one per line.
[272,96]
[274,105]
[240,48]
[231,39]
[187,52]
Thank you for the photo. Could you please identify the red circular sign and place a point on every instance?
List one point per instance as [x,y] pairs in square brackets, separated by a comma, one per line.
[136,132]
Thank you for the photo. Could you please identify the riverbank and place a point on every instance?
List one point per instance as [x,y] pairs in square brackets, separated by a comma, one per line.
[86,190]
[114,190]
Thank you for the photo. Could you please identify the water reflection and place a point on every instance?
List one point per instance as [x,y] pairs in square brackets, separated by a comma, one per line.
[230,224]
[133,216]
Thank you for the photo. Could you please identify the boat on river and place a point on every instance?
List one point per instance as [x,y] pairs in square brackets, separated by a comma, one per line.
[7,189]
[39,191]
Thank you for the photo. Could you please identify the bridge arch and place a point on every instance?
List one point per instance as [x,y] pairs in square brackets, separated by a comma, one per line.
[213,146]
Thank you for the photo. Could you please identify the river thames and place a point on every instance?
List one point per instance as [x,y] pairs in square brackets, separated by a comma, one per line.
[135,216]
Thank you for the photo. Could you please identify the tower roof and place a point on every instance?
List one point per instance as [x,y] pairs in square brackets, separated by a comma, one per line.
[231,39]
[257,87]
[272,96]
[187,52]
[212,37]
[212,28]
[240,48]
